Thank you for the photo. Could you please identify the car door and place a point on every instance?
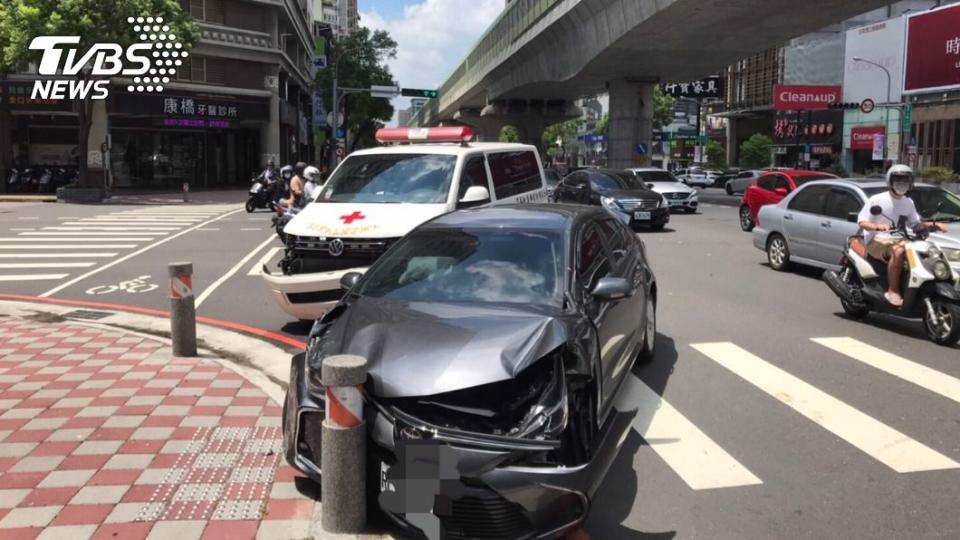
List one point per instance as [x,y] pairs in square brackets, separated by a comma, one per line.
[609,317]
[802,219]
[835,228]
[627,264]
[740,183]
[760,194]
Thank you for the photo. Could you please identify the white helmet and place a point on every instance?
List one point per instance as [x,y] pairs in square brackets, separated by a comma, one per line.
[900,179]
[312,174]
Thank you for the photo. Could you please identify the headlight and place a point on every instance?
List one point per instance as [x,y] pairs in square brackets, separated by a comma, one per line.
[610,203]
[952,255]
[941,270]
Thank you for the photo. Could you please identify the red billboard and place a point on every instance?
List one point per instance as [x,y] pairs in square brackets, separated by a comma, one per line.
[861,137]
[933,51]
[805,97]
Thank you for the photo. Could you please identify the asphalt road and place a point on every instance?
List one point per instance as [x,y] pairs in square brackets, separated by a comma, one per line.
[747,427]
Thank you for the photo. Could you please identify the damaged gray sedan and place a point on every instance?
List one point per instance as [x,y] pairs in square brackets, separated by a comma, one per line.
[497,340]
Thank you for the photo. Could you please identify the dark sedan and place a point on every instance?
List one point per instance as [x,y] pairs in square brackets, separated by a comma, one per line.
[618,191]
[497,339]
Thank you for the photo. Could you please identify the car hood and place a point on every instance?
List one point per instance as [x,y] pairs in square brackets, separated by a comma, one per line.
[671,187]
[620,194]
[367,220]
[423,349]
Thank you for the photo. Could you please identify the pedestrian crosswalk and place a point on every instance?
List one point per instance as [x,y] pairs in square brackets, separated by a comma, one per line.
[60,250]
[697,457]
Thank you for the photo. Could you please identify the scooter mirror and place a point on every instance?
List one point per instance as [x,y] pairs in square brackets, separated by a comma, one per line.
[876,210]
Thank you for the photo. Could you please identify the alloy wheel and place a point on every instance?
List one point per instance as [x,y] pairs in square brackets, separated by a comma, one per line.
[746,223]
[939,320]
[777,253]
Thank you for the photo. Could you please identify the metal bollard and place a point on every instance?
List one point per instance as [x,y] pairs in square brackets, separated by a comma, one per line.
[343,456]
[183,316]
[186,192]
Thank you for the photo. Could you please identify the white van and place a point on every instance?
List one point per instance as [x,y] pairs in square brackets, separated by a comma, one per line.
[378,195]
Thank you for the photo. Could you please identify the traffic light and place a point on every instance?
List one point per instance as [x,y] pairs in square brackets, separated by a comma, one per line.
[419,92]
[843,106]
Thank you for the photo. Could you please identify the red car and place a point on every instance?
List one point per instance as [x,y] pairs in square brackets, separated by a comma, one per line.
[771,188]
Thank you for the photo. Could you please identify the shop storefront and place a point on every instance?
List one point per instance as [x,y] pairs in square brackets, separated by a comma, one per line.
[809,139]
[863,143]
[165,140]
[40,132]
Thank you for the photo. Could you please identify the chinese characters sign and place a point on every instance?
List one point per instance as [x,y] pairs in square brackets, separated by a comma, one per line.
[933,50]
[813,127]
[196,123]
[16,95]
[191,107]
[710,87]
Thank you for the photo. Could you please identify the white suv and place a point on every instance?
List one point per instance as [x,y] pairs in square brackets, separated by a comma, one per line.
[376,196]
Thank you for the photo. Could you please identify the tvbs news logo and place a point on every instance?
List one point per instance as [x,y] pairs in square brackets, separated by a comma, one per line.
[152,61]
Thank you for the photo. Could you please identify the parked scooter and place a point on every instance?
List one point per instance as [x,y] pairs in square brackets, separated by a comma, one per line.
[931,287]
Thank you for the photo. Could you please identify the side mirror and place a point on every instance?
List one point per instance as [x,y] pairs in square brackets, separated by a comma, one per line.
[348,280]
[611,288]
[876,210]
[853,217]
[781,191]
[476,194]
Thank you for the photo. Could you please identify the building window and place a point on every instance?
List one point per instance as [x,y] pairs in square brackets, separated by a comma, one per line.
[204,10]
[202,69]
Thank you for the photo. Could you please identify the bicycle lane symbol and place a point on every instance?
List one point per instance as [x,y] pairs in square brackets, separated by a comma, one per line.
[134,286]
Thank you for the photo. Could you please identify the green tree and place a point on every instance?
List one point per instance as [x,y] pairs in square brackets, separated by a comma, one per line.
[603,125]
[663,105]
[755,151]
[509,134]
[716,155]
[95,21]
[359,61]
[564,130]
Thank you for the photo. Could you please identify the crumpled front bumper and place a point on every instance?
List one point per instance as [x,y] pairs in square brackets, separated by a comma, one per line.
[306,296]
[500,496]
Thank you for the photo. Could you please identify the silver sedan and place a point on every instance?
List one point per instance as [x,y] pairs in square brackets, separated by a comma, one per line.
[739,183]
[811,225]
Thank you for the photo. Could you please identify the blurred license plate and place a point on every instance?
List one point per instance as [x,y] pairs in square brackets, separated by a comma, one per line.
[385,485]
[641,215]
[676,203]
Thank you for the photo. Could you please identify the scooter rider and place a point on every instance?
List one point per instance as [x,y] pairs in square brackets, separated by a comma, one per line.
[895,205]
[312,177]
[269,175]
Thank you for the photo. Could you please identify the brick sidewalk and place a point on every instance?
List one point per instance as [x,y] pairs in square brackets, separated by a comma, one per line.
[104,435]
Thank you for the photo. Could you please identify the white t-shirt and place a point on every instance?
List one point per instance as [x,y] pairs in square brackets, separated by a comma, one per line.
[895,209]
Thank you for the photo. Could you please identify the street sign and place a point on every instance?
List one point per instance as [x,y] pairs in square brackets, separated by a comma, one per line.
[419,92]
[341,133]
[330,121]
[642,149]
[320,62]
[867,106]
[388,92]
[907,116]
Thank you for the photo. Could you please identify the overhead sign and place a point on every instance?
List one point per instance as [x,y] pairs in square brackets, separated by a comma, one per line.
[711,87]
[933,51]
[861,137]
[796,97]
[880,43]
[867,106]
[388,92]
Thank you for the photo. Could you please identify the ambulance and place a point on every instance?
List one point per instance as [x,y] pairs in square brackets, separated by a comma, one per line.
[376,196]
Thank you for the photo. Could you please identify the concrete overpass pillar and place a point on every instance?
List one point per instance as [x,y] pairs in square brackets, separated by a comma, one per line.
[631,123]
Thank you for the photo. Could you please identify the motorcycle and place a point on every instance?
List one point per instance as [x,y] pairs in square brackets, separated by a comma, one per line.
[931,287]
[14,183]
[261,194]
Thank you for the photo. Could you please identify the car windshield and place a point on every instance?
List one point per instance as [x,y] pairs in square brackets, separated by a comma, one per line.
[471,265]
[391,178]
[655,176]
[801,180]
[613,181]
[932,203]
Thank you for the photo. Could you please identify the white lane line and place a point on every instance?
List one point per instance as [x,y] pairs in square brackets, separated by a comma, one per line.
[257,269]
[72,246]
[876,439]
[78,239]
[33,277]
[920,375]
[134,254]
[142,220]
[209,229]
[27,229]
[126,224]
[213,286]
[48,265]
[54,255]
[140,230]
[251,228]
[93,233]
[28,218]
[693,455]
